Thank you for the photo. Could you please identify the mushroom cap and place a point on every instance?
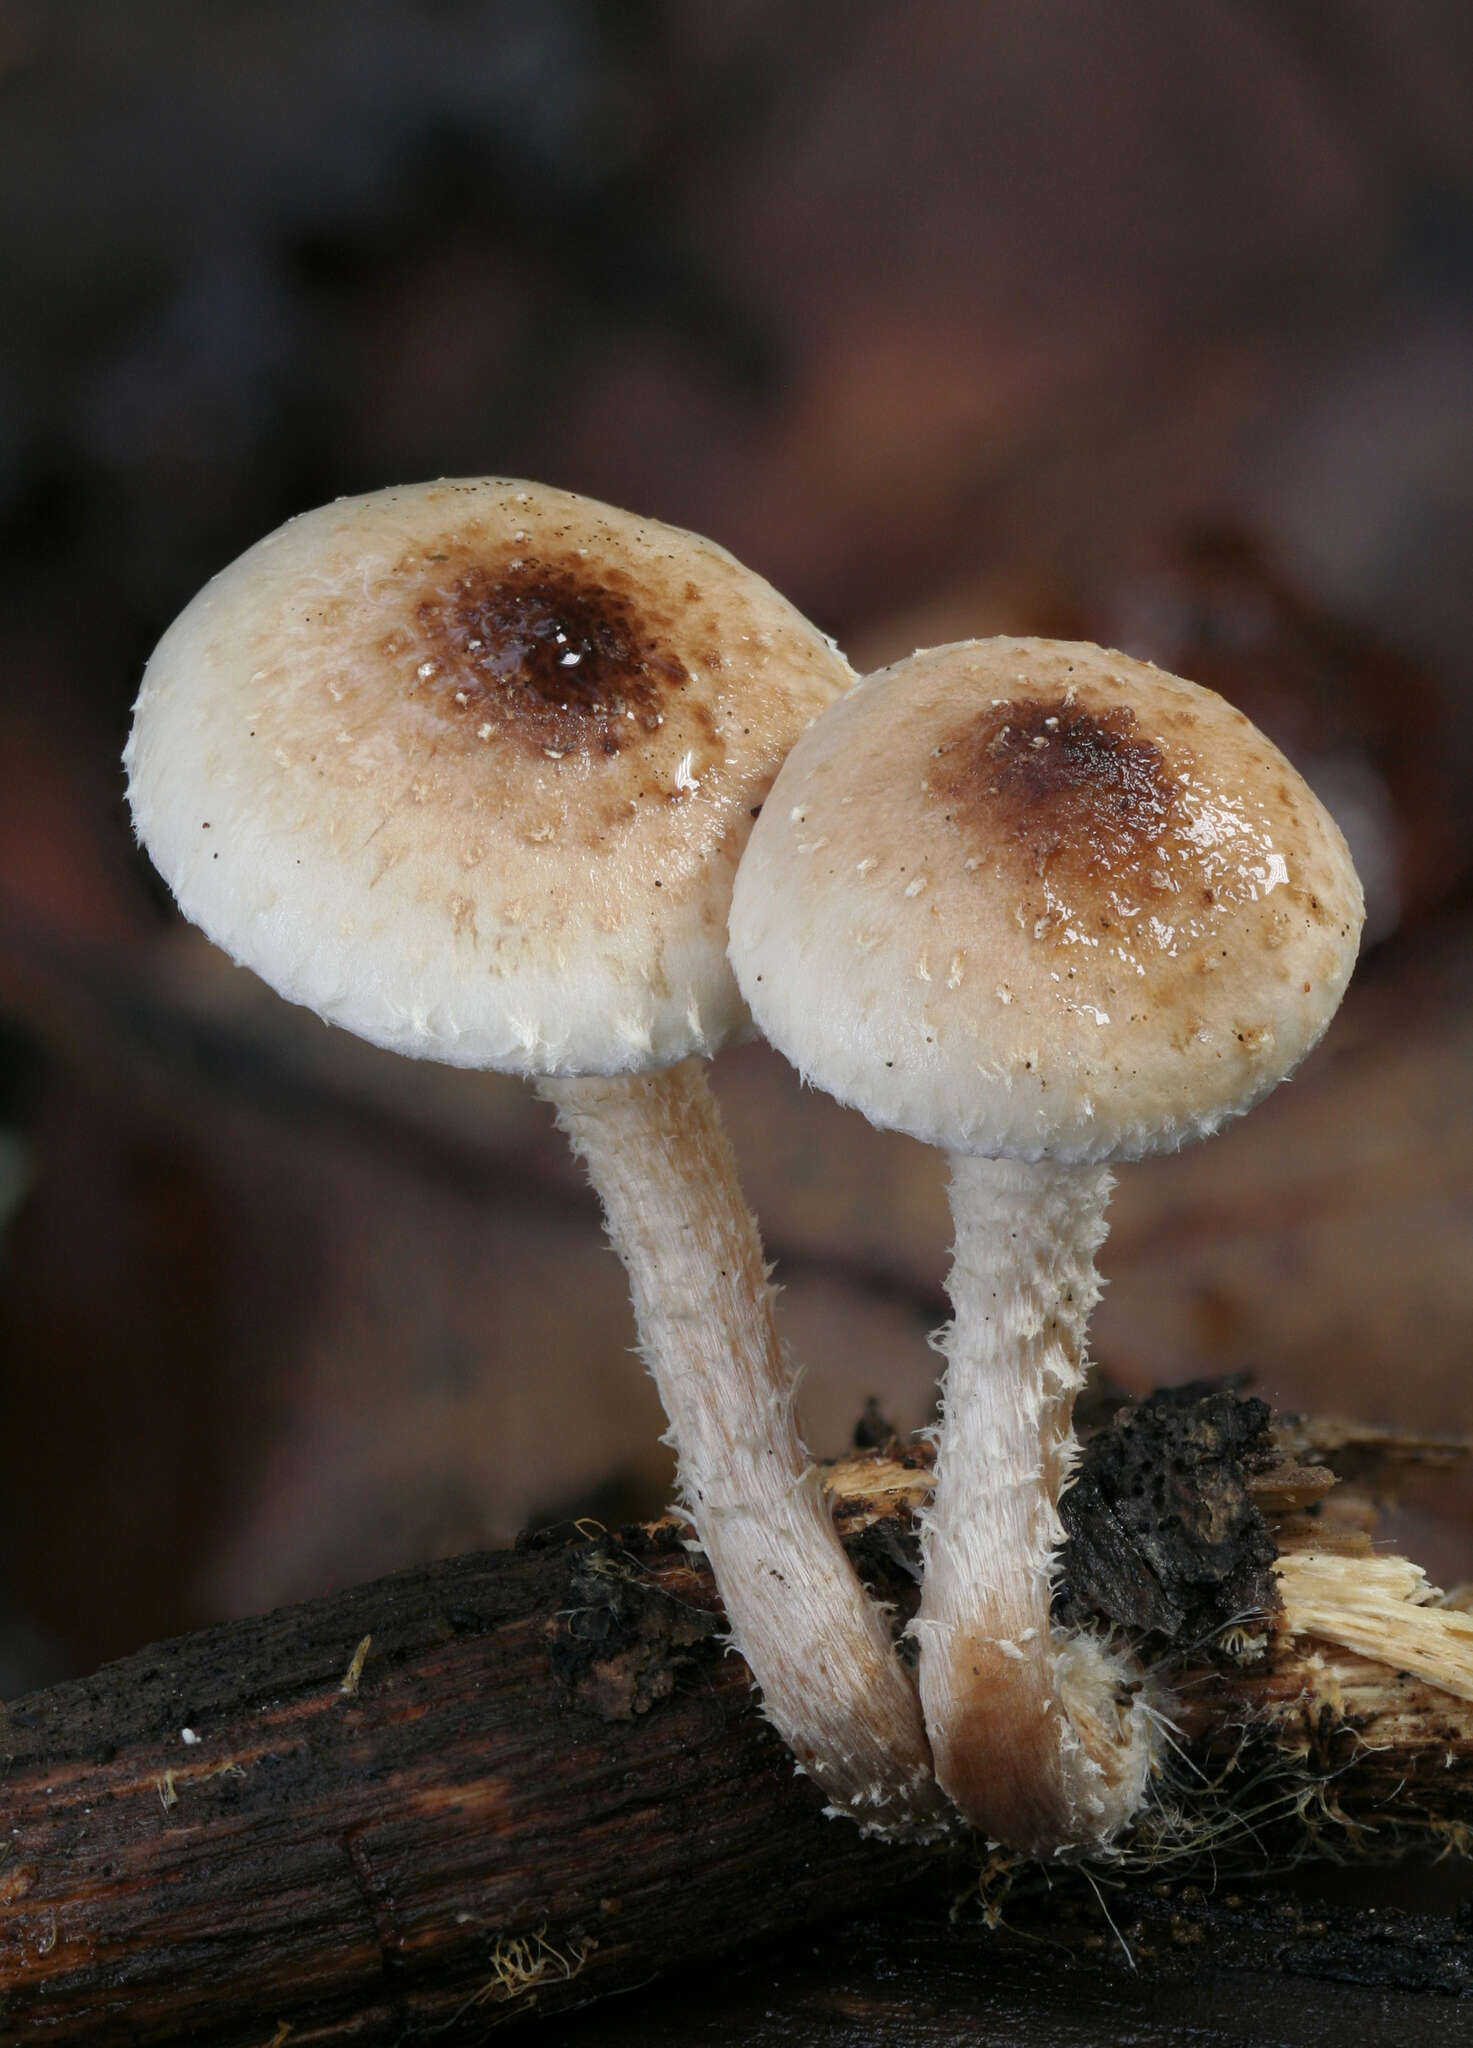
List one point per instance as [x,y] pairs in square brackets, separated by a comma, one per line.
[1037,900]
[467,766]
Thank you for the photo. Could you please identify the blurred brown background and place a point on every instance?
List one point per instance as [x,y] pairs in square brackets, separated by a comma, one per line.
[1147,321]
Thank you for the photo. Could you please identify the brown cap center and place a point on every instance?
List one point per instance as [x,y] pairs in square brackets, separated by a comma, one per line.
[1084,791]
[546,653]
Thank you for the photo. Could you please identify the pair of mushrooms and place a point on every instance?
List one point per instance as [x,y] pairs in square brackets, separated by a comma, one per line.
[468,768]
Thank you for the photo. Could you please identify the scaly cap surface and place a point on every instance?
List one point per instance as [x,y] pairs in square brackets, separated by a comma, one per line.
[1031,898]
[467,766]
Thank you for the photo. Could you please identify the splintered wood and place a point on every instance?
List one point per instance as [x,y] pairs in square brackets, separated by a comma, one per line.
[511,1783]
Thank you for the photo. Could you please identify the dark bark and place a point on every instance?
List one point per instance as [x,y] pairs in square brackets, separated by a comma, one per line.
[515,1782]
[1213,1971]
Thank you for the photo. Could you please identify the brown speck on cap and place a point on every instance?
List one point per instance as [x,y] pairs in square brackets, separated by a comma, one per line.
[551,656]
[1070,789]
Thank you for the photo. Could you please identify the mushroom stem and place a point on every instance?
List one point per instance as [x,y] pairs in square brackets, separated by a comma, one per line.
[1036,1737]
[832,1682]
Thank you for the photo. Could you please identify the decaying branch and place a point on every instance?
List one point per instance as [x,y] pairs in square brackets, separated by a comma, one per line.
[505,1784]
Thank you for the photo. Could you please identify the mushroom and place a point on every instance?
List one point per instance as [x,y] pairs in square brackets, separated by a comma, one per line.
[1047,908]
[466,768]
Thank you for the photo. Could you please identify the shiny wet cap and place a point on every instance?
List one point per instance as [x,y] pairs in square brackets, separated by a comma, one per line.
[1033,899]
[466,767]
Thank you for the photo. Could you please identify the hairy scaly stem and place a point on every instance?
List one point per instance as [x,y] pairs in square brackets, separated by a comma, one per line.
[818,1647]
[1035,1736]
